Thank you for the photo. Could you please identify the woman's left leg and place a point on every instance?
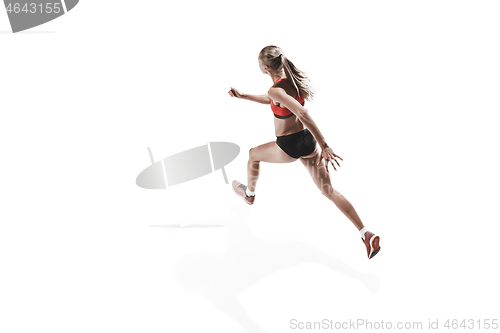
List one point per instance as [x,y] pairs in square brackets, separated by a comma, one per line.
[268,152]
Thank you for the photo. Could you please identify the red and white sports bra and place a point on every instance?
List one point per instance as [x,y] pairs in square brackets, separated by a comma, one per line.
[284,113]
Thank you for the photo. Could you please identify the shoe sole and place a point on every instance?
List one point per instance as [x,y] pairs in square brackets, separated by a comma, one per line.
[375,246]
[239,195]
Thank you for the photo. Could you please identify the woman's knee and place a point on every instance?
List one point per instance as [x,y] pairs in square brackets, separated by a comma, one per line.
[328,191]
[252,155]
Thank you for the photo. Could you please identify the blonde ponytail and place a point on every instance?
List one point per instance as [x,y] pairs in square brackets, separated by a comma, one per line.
[273,57]
[298,78]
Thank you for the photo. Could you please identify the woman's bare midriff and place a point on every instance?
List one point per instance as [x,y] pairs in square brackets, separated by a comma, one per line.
[287,126]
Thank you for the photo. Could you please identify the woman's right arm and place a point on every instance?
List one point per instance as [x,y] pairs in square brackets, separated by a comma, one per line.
[264,99]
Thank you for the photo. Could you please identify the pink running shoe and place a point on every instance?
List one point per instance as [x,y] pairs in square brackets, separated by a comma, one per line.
[239,189]
[372,243]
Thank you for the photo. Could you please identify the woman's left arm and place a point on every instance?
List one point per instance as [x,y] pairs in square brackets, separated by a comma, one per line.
[280,96]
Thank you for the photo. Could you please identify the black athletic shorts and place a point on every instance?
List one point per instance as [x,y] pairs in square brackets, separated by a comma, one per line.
[297,144]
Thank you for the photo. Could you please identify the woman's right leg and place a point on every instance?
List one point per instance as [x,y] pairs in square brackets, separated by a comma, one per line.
[321,178]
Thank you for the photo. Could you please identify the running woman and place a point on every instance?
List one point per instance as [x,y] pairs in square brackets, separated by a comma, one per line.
[297,137]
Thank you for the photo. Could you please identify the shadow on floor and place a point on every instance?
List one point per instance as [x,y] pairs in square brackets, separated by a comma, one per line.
[221,278]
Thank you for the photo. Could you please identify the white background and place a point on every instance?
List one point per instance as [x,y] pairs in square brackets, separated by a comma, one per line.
[406,94]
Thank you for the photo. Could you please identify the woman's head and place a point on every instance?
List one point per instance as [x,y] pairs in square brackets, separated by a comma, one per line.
[272,59]
[270,56]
